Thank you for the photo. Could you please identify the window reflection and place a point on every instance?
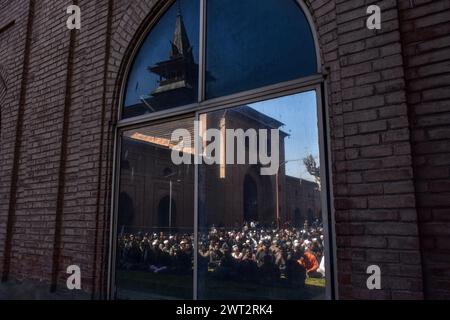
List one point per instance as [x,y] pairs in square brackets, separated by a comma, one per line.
[156,216]
[259,205]
[259,189]
[255,43]
[165,71]
[261,234]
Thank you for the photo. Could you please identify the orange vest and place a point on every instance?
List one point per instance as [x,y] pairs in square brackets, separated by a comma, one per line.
[309,262]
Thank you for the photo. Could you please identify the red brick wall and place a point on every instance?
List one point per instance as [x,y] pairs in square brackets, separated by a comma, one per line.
[376,220]
[14,19]
[426,48]
[384,87]
[65,149]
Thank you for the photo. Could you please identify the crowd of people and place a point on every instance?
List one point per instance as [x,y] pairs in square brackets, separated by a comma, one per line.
[250,253]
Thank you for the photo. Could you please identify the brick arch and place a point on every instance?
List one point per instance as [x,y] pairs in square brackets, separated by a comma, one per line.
[136,22]
[311,17]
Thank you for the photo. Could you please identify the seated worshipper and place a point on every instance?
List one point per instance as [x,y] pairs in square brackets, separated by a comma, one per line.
[309,261]
[226,268]
[269,272]
[274,247]
[247,268]
[236,254]
[132,253]
[262,252]
[156,254]
[280,259]
[147,256]
[295,272]
[316,247]
[215,254]
[203,259]
[164,260]
[181,259]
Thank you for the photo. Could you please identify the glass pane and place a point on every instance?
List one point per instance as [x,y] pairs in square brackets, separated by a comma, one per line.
[155,216]
[165,70]
[260,216]
[255,43]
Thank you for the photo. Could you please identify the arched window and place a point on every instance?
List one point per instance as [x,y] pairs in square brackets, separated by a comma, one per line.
[164,73]
[221,88]
[243,50]
[251,44]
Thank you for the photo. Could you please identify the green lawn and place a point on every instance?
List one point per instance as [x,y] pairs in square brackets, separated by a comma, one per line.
[315,282]
[141,284]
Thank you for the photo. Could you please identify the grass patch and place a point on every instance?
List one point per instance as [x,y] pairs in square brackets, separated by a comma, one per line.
[144,285]
[316,282]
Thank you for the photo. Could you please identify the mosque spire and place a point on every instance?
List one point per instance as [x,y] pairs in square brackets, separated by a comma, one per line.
[180,44]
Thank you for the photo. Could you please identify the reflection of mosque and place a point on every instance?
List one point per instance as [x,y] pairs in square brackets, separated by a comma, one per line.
[177,77]
[157,193]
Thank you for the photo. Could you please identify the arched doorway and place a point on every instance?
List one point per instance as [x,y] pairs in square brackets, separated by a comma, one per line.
[310,216]
[126,210]
[297,218]
[167,211]
[250,199]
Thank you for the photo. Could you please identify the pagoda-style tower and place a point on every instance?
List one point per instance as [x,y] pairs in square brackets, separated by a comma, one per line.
[178,74]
